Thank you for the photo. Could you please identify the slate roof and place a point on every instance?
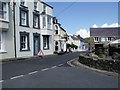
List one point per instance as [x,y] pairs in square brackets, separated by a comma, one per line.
[109,32]
[81,39]
[74,38]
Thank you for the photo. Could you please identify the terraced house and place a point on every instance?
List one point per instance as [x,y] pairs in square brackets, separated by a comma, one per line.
[25,28]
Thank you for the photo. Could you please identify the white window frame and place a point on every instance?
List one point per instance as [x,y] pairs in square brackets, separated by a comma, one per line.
[2,42]
[22,2]
[23,18]
[109,39]
[35,6]
[44,8]
[49,19]
[103,39]
[24,42]
[45,42]
[56,45]
[4,9]
[36,21]
[44,21]
[96,39]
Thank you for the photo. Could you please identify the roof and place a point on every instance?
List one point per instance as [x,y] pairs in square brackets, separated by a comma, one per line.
[109,32]
[63,29]
[83,40]
[46,4]
[74,38]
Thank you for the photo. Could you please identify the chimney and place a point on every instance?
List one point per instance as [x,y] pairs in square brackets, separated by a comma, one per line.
[78,36]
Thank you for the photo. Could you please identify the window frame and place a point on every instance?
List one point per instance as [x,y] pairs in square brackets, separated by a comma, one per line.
[44,22]
[47,42]
[2,42]
[26,42]
[27,17]
[49,19]
[103,39]
[109,38]
[38,16]
[4,12]
[56,46]
[44,8]
[56,30]
[96,39]
[35,5]
[22,2]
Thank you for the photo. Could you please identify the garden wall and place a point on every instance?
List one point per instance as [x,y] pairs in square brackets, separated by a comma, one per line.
[109,65]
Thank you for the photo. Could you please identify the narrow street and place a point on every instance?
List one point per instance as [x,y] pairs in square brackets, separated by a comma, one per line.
[53,72]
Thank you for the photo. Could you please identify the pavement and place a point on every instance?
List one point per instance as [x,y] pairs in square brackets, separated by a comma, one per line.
[53,72]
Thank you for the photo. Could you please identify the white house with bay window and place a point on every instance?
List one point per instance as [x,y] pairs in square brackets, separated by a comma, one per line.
[6,31]
[29,28]
[60,37]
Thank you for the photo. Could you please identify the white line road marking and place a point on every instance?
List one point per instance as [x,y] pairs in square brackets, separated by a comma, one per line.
[45,69]
[1,81]
[32,72]
[54,67]
[60,64]
[17,77]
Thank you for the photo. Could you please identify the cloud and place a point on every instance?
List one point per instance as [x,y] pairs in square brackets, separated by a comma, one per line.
[83,33]
[112,25]
[95,26]
[106,25]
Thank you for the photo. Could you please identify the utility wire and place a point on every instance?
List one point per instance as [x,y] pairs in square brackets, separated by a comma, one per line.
[65,8]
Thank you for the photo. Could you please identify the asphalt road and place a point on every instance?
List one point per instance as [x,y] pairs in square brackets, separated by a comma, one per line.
[53,72]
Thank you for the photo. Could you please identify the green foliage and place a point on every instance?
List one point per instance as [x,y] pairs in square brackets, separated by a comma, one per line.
[68,45]
[72,46]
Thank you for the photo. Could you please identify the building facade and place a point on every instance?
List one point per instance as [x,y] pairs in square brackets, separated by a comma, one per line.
[102,36]
[79,42]
[26,27]
[60,37]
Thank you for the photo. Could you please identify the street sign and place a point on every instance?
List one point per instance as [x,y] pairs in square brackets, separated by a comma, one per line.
[40,53]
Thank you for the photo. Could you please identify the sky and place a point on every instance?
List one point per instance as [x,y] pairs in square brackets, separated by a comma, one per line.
[79,17]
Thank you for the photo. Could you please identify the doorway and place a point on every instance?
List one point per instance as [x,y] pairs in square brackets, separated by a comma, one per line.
[36,39]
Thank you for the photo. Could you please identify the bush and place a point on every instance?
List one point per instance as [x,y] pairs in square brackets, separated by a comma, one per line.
[72,46]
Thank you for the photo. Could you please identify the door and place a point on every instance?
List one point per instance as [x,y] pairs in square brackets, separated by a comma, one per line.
[36,44]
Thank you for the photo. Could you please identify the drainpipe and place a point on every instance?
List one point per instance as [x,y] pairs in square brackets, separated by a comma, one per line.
[14,28]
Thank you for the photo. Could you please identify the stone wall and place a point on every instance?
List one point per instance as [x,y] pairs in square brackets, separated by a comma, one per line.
[108,65]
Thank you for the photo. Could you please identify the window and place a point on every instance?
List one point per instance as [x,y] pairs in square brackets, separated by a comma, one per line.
[44,8]
[24,17]
[35,5]
[49,22]
[44,22]
[102,38]
[109,38]
[56,29]
[2,41]
[56,46]
[22,2]
[24,41]
[96,39]
[3,10]
[45,42]
[36,21]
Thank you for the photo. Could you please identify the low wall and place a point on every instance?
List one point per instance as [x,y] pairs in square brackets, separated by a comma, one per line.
[108,65]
